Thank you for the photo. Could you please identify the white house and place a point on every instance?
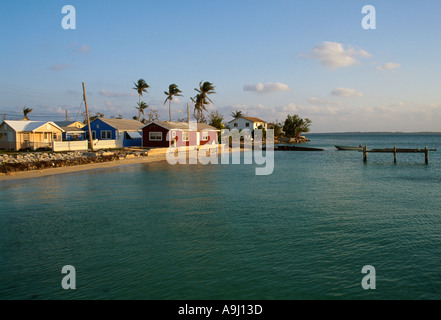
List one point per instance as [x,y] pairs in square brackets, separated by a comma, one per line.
[242,123]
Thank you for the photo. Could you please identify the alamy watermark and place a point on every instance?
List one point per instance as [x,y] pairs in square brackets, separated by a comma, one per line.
[254,149]
[369,21]
[69,281]
[69,21]
[369,282]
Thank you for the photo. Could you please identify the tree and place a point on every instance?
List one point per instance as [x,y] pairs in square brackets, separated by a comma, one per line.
[141,86]
[94,117]
[277,129]
[173,91]
[216,120]
[201,100]
[198,109]
[141,107]
[153,115]
[294,126]
[26,111]
[236,114]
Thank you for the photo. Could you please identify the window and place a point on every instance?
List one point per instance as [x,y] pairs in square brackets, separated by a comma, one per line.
[46,136]
[235,125]
[185,136]
[173,134]
[3,135]
[26,137]
[247,124]
[93,135]
[54,137]
[204,135]
[106,135]
[155,136]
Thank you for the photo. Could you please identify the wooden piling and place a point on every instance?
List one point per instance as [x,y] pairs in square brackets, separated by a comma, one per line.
[365,153]
[426,151]
[395,154]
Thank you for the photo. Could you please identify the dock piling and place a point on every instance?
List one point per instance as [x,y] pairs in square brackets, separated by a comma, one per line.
[426,151]
[395,154]
[365,153]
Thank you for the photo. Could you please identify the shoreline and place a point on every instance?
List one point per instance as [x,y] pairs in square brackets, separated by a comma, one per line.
[157,155]
[72,169]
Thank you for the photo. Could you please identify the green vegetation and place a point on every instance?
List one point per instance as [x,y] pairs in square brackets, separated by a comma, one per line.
[236,114]
[201,100]
[173,91]
[216,120]
[141,107]
[141,86]
[294,126]
[26,111]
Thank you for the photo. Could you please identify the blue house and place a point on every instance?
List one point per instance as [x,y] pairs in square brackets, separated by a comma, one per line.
[129,131]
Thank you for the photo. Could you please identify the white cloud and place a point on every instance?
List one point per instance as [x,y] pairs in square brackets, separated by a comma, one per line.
[389,66]
[345,93]
[111,94]
[334,55]
[267,87]
[177,100]
[318,101]
[398,104]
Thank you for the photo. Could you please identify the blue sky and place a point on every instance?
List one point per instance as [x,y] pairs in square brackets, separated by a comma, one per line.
[266,58]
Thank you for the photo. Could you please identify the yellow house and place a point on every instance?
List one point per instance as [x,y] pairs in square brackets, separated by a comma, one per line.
[16,135]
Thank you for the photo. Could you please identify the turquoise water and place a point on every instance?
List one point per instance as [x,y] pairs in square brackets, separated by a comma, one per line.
[157,231]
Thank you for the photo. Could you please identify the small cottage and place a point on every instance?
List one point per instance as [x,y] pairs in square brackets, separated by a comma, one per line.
[129,131]
[163,134]
[242,123]
[17,135]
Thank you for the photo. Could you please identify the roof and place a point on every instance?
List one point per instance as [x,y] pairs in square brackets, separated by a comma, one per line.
[134,135]
[123,124]
[252,119]
[28,126]
[67,123]
[182,125]
[72,129]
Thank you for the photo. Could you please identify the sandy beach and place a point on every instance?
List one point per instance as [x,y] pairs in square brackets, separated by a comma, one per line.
[92,166]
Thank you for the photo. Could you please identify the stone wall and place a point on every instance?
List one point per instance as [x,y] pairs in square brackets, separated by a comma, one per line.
[42,160]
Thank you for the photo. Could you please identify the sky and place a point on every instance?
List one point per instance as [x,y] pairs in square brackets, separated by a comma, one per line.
[267,59]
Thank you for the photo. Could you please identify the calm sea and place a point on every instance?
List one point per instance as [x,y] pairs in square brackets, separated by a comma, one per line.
[157,231]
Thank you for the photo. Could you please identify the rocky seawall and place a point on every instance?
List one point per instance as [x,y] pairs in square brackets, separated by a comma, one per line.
[10,163]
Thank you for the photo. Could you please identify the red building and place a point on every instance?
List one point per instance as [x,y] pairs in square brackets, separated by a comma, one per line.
[163,134]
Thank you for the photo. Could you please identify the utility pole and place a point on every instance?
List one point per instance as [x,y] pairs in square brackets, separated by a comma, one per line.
[188,114]
[88,119]
[67,118]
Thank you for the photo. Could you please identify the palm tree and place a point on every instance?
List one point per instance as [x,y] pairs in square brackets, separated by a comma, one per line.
[198,108]
[141,86]
[201,100]
[173,91]
[26,111]
[236,114]
[141,107]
